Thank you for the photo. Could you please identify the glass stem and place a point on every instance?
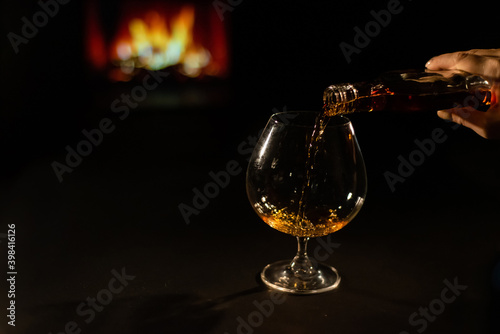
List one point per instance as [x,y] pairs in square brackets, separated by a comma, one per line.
[301,265]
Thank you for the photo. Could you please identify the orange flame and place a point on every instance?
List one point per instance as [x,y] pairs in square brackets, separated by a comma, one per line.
[154,42]
[156,36]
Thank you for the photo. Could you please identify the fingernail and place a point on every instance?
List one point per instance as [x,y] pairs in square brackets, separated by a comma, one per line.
[444,114]
[428,63]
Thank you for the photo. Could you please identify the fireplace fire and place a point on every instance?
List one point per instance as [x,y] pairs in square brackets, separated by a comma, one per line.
[189,39]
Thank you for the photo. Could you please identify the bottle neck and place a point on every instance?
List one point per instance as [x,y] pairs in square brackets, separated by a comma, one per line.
[345,98]
[339,94]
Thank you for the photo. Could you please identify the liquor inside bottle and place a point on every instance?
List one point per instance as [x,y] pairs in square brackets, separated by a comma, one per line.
[407,92]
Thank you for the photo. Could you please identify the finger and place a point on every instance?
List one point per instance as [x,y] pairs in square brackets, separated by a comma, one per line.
[487,66]
[445,114]
[468,117]
[442,61]
[485,52]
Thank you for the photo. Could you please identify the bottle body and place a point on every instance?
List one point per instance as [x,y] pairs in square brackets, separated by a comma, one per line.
[409,91]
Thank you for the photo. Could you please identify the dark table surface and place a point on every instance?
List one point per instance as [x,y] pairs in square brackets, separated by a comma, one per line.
[107,250]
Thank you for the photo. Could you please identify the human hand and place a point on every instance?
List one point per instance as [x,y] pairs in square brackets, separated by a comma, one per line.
[485,63]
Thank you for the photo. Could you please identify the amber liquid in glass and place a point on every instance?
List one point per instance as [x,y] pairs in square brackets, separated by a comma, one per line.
[309,220]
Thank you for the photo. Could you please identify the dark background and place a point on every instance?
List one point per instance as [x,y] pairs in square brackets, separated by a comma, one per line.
[119,207]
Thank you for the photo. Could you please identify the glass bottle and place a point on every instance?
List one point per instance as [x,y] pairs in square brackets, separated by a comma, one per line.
[409,91]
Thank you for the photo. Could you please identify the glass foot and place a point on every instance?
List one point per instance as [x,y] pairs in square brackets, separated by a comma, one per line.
[279,276]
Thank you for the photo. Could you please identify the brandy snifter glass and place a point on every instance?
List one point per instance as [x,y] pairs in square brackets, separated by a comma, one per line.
[306,182]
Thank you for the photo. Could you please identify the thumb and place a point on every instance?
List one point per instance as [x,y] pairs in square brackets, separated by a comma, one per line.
[466,116]
[486,124]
